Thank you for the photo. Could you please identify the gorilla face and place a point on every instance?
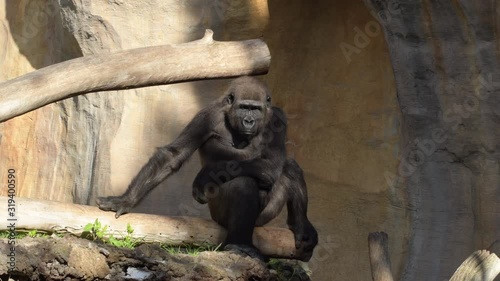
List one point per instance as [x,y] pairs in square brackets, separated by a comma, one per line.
[249,107]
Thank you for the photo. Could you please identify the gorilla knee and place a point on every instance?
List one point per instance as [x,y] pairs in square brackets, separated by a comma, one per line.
[244,186]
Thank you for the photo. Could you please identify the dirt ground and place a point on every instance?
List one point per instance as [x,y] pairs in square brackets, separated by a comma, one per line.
[72,258]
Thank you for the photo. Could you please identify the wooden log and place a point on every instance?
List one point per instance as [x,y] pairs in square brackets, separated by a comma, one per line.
[201,59]
[71,218]
[481,265]
[379,256]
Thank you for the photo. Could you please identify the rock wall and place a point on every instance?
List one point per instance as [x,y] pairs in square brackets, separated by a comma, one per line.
[445,56]
[331,73]
[343,129]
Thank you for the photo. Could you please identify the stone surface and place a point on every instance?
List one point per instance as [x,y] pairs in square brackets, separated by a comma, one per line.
[445,60]
[70,258]
[343,129]
[55,258]
[331,72]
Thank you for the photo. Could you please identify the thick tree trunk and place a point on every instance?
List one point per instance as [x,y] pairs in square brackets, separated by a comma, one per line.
[201,59]
[64,217]
[445,61]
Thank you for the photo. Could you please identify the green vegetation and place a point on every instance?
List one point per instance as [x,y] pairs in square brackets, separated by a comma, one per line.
[36,233]
[97,232]
[189,249]
[25,233]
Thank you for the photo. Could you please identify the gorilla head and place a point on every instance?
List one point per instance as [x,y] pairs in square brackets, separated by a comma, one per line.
[248,106]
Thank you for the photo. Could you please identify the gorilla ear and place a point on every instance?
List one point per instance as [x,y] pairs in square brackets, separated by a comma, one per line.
[230,98]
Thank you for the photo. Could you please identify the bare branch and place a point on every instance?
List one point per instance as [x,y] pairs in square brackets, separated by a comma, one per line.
[201,59]
[65,217]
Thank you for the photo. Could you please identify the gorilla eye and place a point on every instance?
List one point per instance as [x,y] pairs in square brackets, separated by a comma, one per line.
[230,98]
[268,99]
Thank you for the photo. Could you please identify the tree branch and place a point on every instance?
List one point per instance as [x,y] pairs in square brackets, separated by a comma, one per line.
[65,217]
[201,59]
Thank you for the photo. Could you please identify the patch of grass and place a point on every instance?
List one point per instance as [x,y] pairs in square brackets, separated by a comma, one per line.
[20,234]
[127,240]
[192,250]
[96,231]
[36,233]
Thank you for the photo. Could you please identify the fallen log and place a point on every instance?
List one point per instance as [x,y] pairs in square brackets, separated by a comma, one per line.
[201,59]
[481,265]
[379,256]
[71,218]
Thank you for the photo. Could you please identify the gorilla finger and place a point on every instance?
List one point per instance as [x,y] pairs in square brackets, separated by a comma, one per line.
[201,199]
[100,200]
[310,245]
[121,211]
[199,196]
[298,241]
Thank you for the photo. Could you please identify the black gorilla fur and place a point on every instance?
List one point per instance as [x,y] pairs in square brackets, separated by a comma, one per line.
[246,177]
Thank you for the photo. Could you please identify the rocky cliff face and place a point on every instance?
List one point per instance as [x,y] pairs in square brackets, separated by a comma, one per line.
[445,58]
[373,159]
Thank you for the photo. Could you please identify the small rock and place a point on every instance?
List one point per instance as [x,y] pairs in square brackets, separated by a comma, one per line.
[137,274]
[104,252]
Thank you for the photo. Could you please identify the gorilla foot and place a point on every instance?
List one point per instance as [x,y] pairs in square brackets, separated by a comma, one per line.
[246,250]
[118,204]
[306,239]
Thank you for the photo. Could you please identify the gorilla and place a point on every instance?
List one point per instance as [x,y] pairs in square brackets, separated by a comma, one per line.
[246,177]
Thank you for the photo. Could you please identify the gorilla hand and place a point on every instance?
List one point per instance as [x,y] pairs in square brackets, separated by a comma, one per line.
[206,183]
[199,195]
[265,181]
[118,204]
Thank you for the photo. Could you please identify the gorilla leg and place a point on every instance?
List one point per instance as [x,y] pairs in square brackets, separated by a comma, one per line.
[239,204]
[306,236]
[291,189]
[236,206]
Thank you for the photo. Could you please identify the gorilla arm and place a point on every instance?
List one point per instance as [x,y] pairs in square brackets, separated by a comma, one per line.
[219,148]
[163,163]
[267,169]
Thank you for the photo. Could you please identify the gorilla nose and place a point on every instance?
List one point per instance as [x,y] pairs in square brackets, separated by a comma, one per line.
[248,122]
